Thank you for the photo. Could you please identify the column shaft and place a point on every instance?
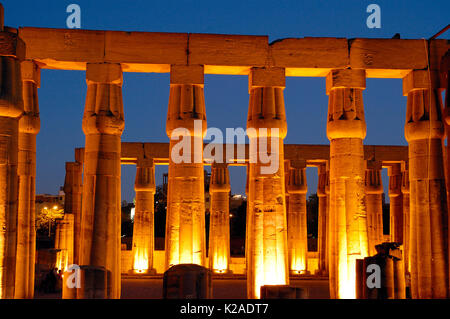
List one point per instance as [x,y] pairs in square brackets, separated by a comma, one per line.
[322,246]
[219,225]
[406,221]
[267,255]
[29,125]
[428,207]
[143,226]
[72,204]
[346,130]
[103,123]
[11,108]
[64,241]
[296,219]
[374,206]
[396,203]
[186,126]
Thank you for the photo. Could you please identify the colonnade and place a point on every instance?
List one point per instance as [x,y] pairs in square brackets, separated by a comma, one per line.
[276,244]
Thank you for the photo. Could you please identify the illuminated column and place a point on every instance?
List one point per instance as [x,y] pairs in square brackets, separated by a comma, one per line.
[297,232]
[29,125]
[72,204]
[267,256]
[287,167]
[424,130]
[323,216]
[406,218]
[64,241]
[331,245]
[103,123]
[186,127]
[346,129]
[219,229]
[374,205]
[11,108]
[143,226]
[396,203]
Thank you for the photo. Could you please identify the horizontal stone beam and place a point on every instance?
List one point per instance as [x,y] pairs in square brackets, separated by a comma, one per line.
[314,155]
[71,49]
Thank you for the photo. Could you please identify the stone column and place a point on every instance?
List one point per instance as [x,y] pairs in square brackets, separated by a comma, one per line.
[424,131]
[219,225]
[29,125]
[396,203]
[297,232]
[103,123]
[73,186]
[406,218]
[143,227]
[267,259]
[330,243]
[346,129]
[64,241]
[11,108]
[186,127]
[374,205]
[323,216]
[287,167]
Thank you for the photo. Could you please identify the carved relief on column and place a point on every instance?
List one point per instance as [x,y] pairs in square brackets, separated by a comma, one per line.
[29,125]
[267,256]
[374,205]
[186,127]
[12,51]
[346,129]
[296,218]
[143,226]
[323,220]
[396,203]
[424,131]
[219,229]
[103,123]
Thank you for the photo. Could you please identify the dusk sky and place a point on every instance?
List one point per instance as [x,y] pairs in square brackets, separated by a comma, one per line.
[145,95]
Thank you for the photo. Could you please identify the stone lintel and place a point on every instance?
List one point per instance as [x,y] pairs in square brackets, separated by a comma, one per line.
[187,74]
[110,73]
[266,77]
[420,80]
[345,78]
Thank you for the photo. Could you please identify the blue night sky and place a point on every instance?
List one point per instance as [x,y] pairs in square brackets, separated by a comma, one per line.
[62,93]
